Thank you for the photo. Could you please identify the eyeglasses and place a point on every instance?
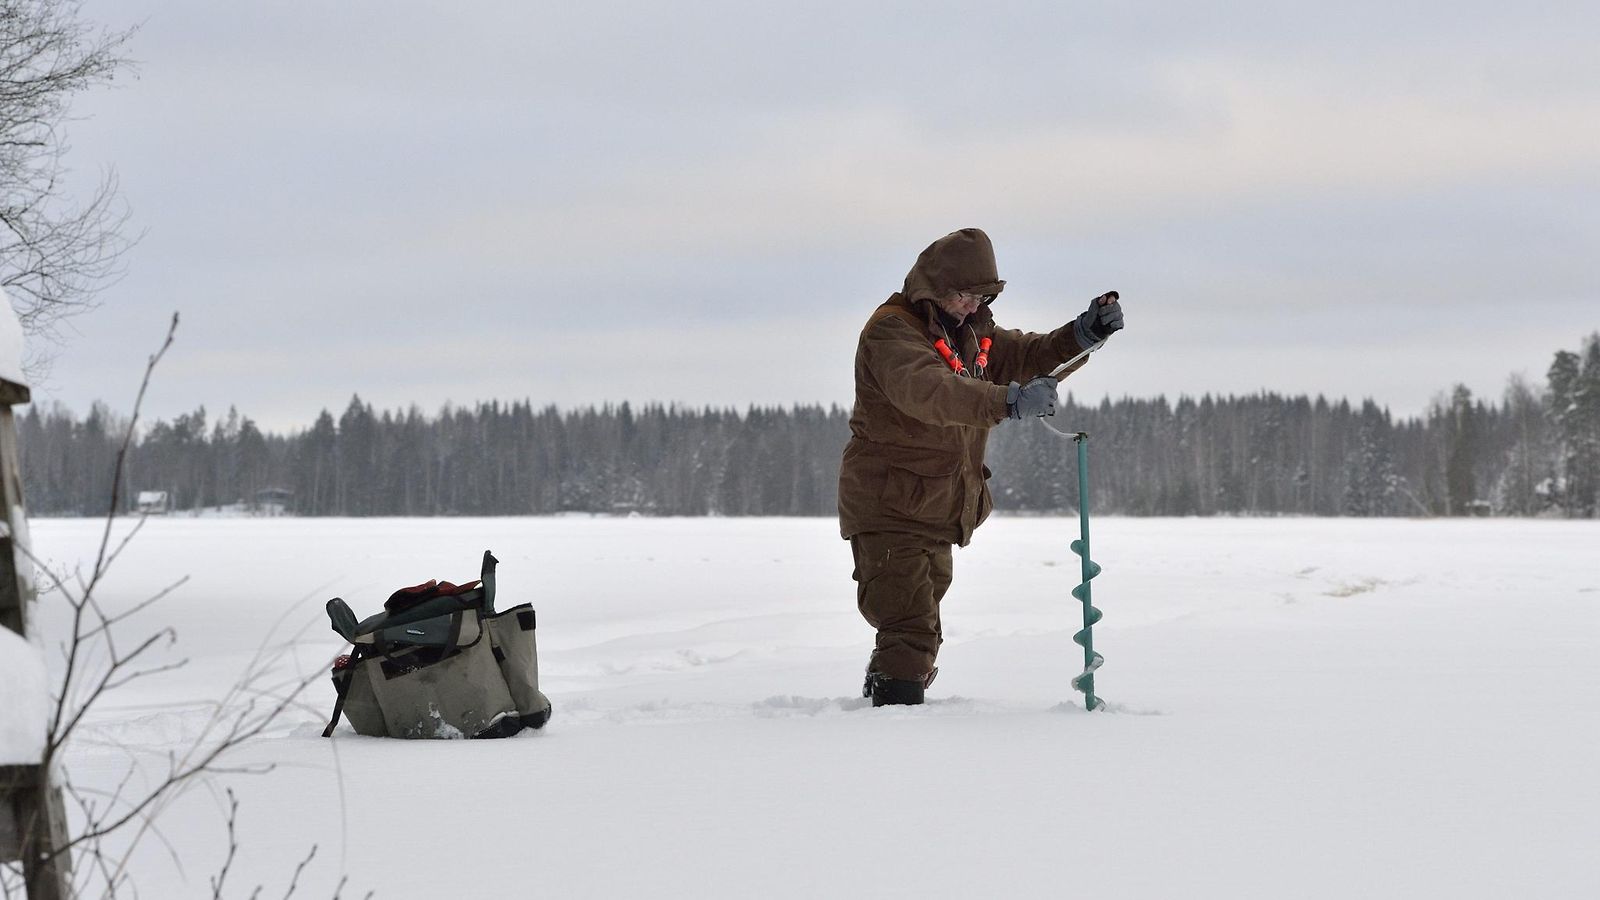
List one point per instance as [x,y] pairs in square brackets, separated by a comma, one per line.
[984,299]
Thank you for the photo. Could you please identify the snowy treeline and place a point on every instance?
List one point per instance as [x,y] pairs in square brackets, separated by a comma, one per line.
[492,459]
[1536,451]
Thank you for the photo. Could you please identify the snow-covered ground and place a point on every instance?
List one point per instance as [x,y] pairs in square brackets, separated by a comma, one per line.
[1298,708]
[26,707]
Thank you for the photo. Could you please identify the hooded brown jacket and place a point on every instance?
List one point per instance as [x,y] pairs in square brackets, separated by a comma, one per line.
[918,431]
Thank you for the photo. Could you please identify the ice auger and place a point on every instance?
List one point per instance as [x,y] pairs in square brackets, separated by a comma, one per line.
[1085,637]
[1091,615]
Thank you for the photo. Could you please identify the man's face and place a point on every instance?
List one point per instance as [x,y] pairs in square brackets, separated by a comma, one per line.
[960,305]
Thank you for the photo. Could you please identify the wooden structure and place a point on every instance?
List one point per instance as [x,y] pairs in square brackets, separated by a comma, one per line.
[31,813]
[150,503]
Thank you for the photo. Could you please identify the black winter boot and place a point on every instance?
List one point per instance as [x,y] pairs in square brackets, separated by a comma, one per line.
[886,691]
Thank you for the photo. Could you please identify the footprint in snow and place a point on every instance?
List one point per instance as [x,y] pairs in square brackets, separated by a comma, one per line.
[782,706]
[1363,586]
[1122,709]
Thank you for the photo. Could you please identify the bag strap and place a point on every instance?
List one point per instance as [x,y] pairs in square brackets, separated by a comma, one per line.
[456,620]
[487,577]
[341,688]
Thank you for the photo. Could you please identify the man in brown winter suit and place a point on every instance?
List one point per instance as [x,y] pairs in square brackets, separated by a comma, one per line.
[933,375]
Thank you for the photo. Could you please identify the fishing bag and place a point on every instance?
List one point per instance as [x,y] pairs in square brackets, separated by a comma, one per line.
[439,662]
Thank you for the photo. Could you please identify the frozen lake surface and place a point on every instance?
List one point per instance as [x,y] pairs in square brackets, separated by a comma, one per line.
[1298,708]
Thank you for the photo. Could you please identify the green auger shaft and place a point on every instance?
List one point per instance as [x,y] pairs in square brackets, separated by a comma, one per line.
[1091,615]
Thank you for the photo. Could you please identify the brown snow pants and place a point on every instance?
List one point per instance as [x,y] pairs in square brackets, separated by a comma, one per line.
[900,579]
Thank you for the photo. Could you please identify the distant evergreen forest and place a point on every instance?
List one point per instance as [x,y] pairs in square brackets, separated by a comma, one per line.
[1535,451]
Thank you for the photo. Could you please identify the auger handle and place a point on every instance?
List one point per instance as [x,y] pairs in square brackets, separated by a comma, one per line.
[1060,372]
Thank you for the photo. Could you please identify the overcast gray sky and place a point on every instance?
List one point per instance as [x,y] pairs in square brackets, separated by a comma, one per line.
[701,202]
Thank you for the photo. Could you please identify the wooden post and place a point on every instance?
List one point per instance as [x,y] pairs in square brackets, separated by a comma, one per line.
[36,823]
[16,589]
[32,819]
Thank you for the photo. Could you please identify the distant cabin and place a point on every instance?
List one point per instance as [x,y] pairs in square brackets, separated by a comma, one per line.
[273,501]
[151,503]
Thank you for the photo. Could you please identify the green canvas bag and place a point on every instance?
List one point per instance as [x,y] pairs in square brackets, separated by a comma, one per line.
[439,662]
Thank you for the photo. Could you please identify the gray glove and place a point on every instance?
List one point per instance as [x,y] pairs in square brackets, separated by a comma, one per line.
[1036,398]
[1100,321]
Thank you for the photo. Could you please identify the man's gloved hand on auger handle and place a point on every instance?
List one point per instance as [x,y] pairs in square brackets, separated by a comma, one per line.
[1102,319]
[1036,398]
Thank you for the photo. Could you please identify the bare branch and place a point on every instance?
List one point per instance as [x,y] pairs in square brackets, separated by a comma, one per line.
[200,759]
[56,252]
[295,881]
[145,673]
[108,621]
[98,571]
[138,526]
[98,660]
[233,847]
[54,740]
